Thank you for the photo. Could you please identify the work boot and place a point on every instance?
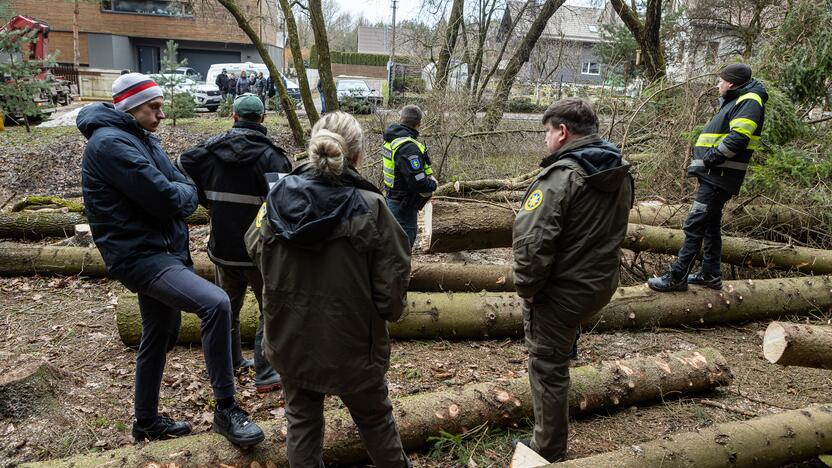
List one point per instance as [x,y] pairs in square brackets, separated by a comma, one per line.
[269,384]
[713,282]
[161,428]
[245,364]
[237,427]
[667,282]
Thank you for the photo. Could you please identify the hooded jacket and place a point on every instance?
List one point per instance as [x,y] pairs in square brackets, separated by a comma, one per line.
[335,267]
[230,173]
[569,229]
[735,133]
[410,178]
[134,197]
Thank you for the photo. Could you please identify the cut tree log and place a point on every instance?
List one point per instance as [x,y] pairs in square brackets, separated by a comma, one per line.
[607,385]
[794,344]
[492,315]
[37,225]
[26,259]
[27,384]
[768,441]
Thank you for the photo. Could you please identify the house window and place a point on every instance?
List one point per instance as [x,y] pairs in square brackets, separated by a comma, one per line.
[590,68]
[180,8]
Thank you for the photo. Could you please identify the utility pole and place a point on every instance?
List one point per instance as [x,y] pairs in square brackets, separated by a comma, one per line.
[391,64]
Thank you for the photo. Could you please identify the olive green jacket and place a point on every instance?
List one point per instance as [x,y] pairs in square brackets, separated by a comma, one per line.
[569,229]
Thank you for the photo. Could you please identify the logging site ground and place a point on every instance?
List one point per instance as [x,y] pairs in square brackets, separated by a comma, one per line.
[69,322]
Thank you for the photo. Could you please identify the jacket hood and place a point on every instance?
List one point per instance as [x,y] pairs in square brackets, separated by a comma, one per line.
[104,114]
[398,130]
[306,210]
[601,160]
[753,86]
[243,145]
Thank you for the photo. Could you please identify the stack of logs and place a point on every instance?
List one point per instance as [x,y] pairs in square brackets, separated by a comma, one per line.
[463,301]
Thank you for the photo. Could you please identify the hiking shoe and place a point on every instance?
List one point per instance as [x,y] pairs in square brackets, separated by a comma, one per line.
[268,385]
[245,364]
[666,283]
[162,428]
[713,282]
[237,427]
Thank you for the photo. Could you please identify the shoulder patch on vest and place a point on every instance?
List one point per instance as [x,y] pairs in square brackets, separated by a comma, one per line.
[534,200]
[415,163]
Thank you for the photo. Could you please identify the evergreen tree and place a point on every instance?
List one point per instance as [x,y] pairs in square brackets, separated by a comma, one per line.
[19,85]
[180,102]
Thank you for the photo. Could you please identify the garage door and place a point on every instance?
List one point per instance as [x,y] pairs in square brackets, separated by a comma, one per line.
[201,60]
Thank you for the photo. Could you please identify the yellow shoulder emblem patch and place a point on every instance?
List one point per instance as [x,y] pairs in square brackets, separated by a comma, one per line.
[534,200]
[258,221]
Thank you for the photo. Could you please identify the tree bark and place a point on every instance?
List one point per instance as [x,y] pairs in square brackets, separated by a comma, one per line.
[421,416]
[37,225]
[316,16]
[285,101]
[494,112]
[297,60]
[775,440]
[27,385]
[493,315]
[793,344]
[447,50]
[646,34]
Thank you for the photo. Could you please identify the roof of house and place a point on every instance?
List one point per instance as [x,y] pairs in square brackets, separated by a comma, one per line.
[574,23]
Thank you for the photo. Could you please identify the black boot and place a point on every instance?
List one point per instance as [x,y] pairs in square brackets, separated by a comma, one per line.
[237,427]
[713,282]
[667,282]
[161,428]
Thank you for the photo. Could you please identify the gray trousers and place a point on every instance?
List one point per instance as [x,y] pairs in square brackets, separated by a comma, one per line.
[372,412]
[235,282]
[550,344]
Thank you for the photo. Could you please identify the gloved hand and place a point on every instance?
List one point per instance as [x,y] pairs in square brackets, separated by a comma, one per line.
[713,158]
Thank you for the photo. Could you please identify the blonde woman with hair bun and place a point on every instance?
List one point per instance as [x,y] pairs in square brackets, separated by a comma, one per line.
[335,266]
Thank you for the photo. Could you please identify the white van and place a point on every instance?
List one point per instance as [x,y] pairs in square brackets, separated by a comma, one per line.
[249,67]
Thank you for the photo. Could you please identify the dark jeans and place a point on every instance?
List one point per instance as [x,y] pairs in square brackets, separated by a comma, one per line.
[235,282]
[551,344]
[407,218]
[372,412]
[703,226]
[174,290]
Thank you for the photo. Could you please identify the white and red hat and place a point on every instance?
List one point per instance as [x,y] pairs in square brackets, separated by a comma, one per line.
[134,89]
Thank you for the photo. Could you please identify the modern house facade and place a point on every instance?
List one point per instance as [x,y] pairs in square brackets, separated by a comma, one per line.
[131,34]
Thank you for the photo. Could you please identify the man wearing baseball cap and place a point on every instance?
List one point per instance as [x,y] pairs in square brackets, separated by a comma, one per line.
[136,202]
[232,173]
[720,160]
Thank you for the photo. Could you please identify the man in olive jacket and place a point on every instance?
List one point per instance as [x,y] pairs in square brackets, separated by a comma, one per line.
[566,255]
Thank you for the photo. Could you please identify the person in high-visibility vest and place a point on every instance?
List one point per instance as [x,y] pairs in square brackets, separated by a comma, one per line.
[408,176]
[720,160]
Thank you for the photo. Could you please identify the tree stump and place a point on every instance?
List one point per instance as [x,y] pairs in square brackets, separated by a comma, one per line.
[27,385]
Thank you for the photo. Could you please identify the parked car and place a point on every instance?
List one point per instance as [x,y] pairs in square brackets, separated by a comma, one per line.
[355,96]
[250,67]
[205,95]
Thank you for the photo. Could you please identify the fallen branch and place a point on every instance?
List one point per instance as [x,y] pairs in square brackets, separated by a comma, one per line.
[421,416]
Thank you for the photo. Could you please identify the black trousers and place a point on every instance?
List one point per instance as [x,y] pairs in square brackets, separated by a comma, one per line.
[703,227]
[372,412]
[180,289]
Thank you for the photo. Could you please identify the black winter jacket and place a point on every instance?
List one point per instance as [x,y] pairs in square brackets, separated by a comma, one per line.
[230,175]
[222,82]
[134,197]
[410,182]
[734,132]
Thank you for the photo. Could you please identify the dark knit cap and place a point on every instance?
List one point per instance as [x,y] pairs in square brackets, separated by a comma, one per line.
[736,73]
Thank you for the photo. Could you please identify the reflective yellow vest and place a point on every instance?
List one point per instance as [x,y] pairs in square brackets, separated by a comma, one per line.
[389,155]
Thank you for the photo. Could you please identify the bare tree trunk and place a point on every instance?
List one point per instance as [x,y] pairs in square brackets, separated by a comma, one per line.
[76,43]
[297,59]
[795,344]
[447,50]
[502,51]
[494,112]
[647,35]
[316,16]
[285,101]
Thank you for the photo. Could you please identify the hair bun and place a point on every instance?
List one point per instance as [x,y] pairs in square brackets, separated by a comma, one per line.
[326,152]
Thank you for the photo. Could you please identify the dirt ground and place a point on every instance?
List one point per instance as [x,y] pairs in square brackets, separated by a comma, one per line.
[69,322]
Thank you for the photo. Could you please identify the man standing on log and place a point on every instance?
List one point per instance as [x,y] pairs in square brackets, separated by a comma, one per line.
[720,160]
[136,202]
[232,172]
[407,172]
[566,243]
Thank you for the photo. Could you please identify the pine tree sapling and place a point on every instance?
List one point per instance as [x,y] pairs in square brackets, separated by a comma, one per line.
[174,84]
[20,88]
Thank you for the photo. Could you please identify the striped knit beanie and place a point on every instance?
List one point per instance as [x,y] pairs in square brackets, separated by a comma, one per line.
[134,89]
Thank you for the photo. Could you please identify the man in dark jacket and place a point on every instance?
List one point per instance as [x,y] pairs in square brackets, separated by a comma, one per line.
[222,83]
[407,172]
[720,161]
[232,173]
[566,243]
[136,202]
[243,84]
[232,87]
